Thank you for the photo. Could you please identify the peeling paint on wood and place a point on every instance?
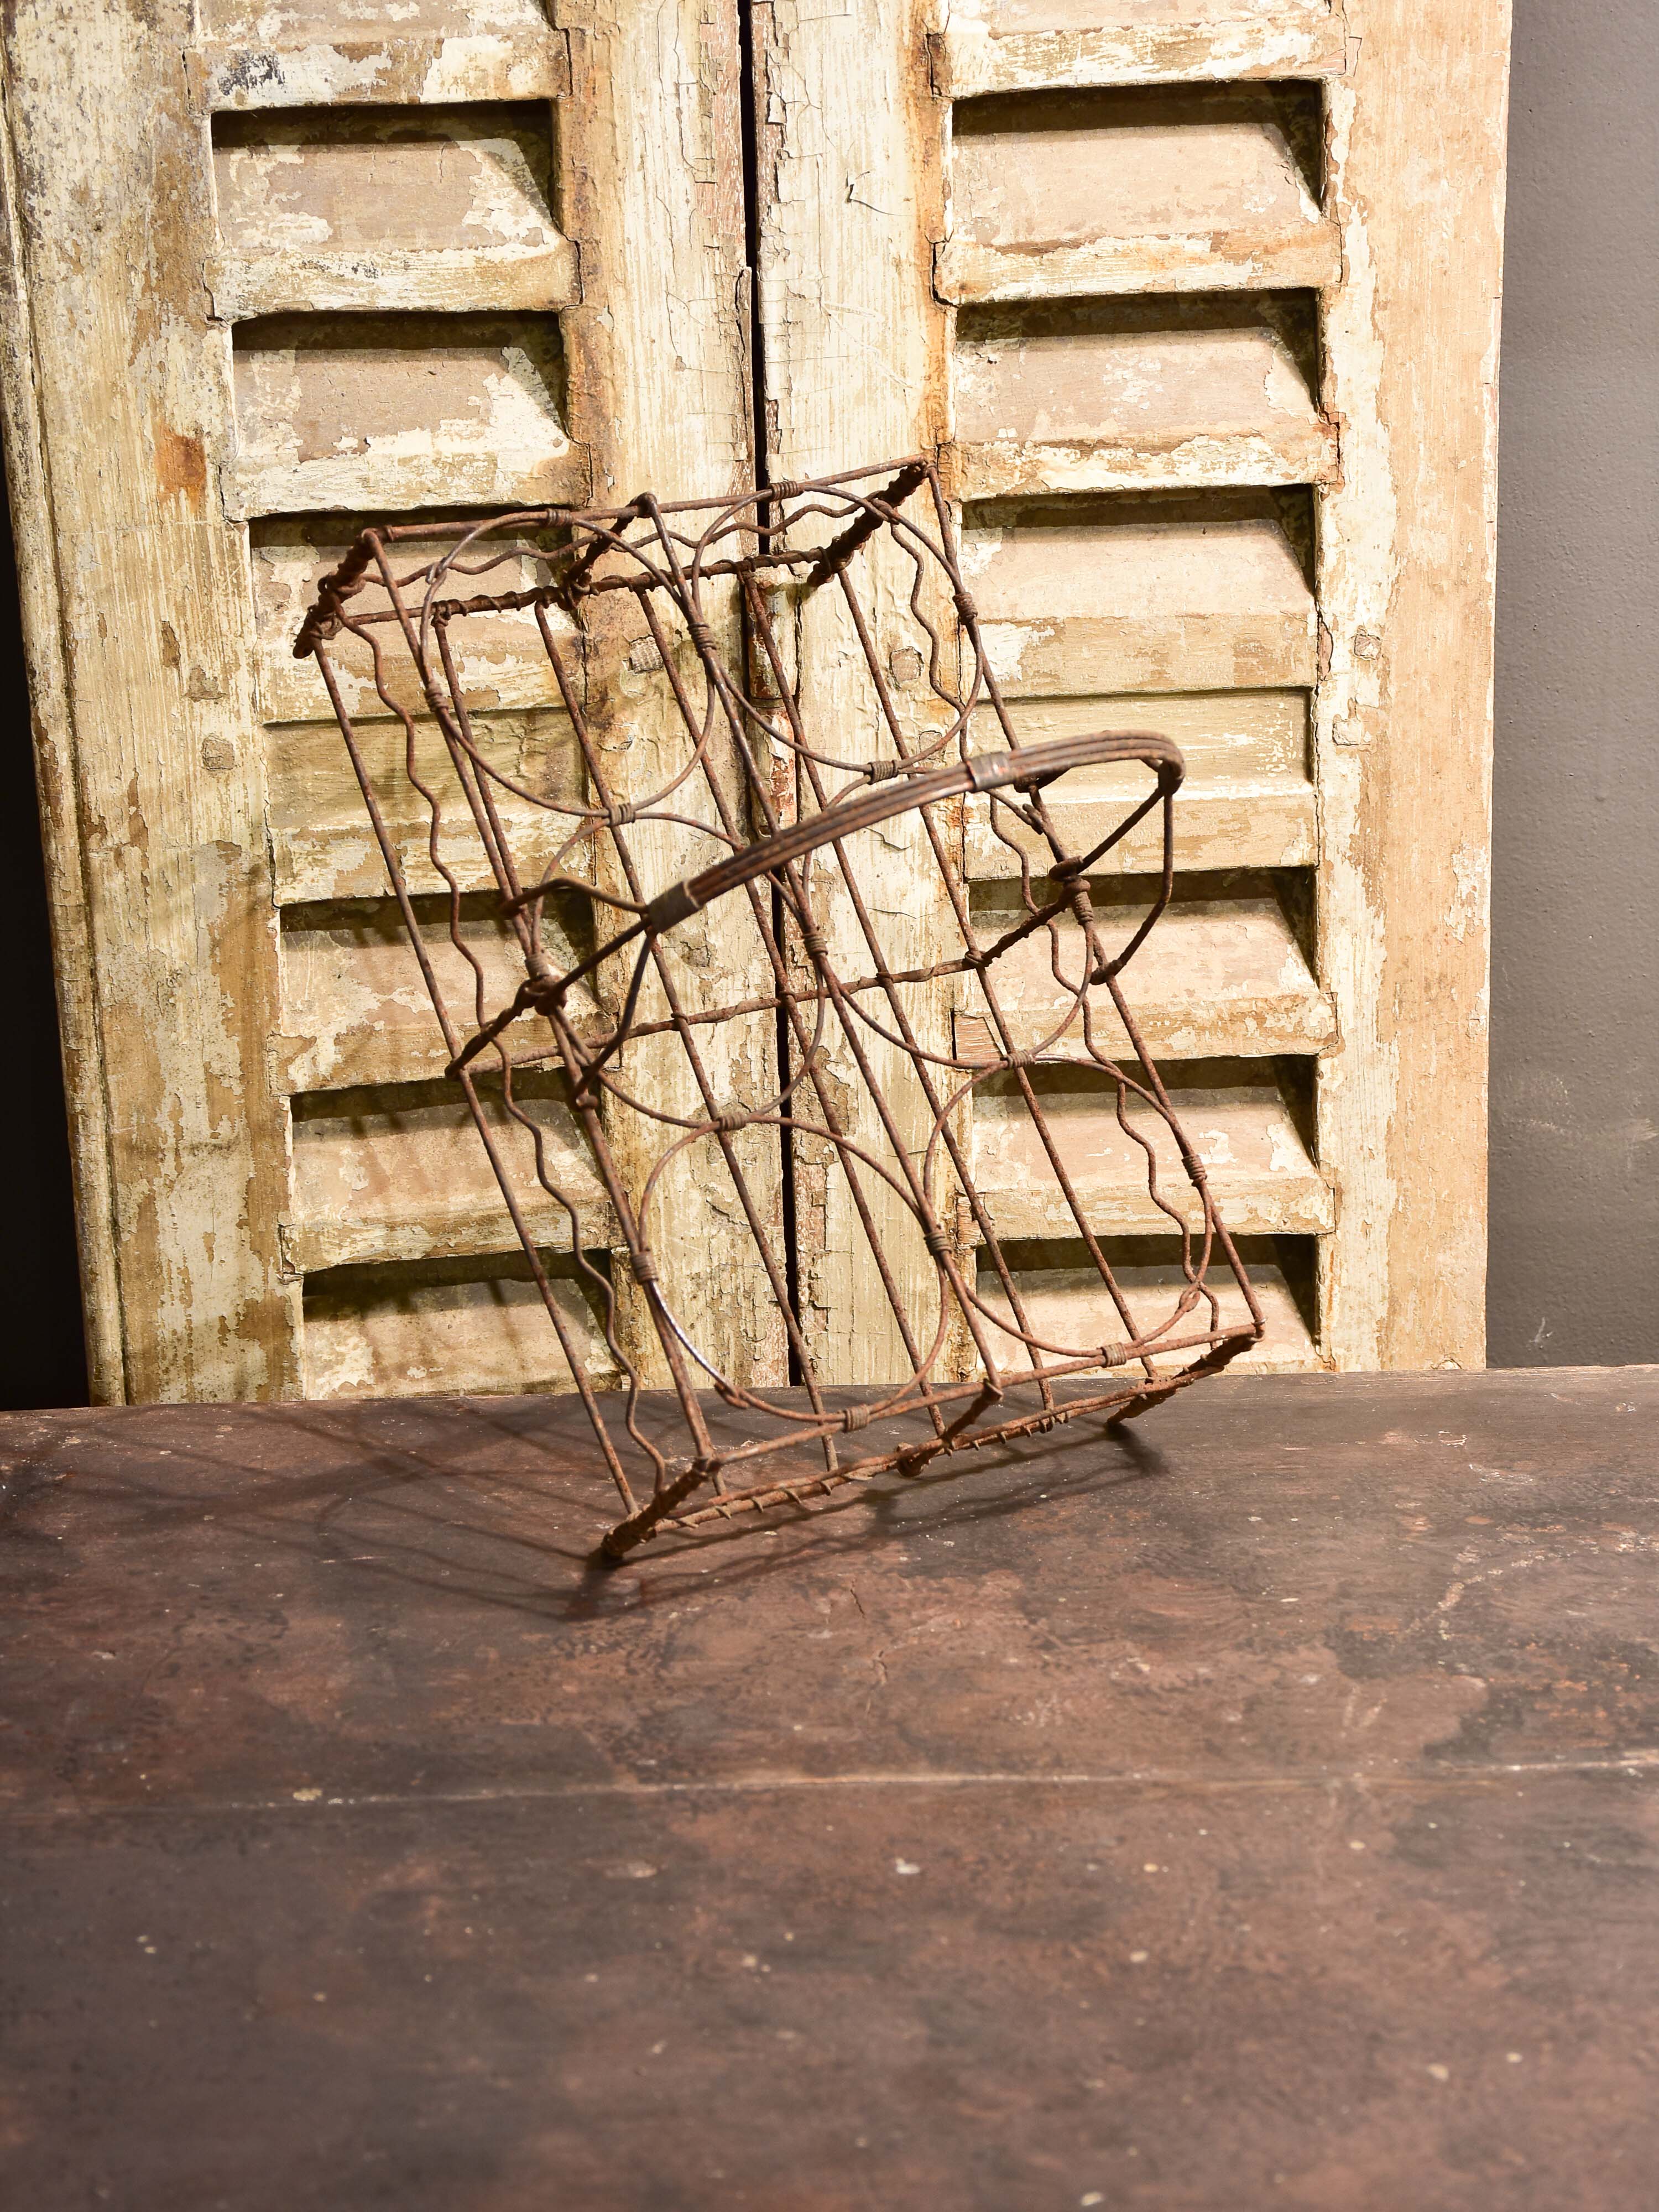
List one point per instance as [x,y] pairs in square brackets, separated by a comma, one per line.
[394,217]
[1196,300]
[1155,190]
[1217,976]
[113,220]
[1167,277]
[340,412]
[1416,150]
[1036,45]
[372,208]
[1133,394]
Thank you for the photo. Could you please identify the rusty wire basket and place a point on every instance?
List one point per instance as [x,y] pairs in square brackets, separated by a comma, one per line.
[771,1058]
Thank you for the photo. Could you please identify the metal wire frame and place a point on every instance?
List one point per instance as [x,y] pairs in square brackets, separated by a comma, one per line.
[772,547]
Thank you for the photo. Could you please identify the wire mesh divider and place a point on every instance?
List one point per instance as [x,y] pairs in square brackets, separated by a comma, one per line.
[717,592]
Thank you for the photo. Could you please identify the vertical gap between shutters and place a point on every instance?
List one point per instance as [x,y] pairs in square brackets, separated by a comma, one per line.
[756,338]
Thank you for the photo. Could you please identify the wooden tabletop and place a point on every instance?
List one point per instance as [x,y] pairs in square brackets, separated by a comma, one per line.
[1257,1810]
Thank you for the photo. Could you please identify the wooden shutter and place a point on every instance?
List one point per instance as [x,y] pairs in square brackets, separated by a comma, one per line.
[1200,300]
[1197,298]
[268,275]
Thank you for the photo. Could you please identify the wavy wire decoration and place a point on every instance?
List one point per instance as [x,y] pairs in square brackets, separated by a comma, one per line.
[747,569]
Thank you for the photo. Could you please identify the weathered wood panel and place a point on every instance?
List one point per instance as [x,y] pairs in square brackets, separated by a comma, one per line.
[388,412]
[322,848]
[1067,1305]
[1417,138]
[1248,800]
[391,218]
[52,732]
[855,371]
[1144,594]
[1063,195]
[399,1174]
[651,170]
[1139,393]
[1196,299]
[1251,1136]
[500,661]
[1035,45]
[113,219]
[393,51]
[355,1007]
[1214,288]
[446,207]
[1220,974]
[390,1333]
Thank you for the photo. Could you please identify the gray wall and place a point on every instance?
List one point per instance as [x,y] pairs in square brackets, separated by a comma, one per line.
[1575,1098]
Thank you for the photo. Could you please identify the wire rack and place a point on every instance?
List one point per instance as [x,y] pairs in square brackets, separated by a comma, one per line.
[769,682]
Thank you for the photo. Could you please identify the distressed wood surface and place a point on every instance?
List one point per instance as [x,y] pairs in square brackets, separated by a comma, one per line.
[1407,559]
[287,273]
[402,1331]
[1218,975]
[439,208]
[1067,195]
[1155,394]
[654,194]
[1294,286]
[1098,598]
[1197,304]
[322,847]
[305,57]
[1268,1815]
[1252,1139]
[855,374]
[114,223]
[1248,800]
[1068,1305]
[379,1179]
[1038,44]
[337,412]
